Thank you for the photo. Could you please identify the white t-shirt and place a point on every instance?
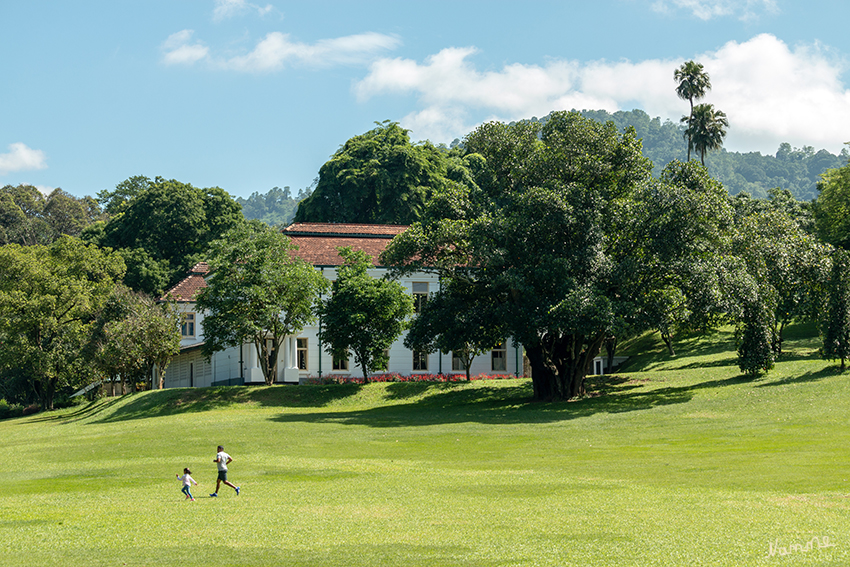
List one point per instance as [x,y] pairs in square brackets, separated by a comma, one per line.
[222,460]
[187,480]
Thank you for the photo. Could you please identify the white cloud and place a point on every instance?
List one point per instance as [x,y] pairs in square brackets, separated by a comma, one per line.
[276,50]
[21,158]
[771,92]
[177,49]
[708,9]
[225,9]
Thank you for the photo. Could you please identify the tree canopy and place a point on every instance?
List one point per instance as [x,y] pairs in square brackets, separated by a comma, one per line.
[363,315]
[258,292]
[28,217]
[165,227]
[378,177]
[568,231]
[50,297]
[832,207]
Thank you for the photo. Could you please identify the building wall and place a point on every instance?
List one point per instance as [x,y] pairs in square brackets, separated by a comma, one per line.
[190,368]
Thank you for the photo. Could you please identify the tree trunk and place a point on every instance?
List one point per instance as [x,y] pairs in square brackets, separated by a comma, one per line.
[610,349]
[543,378]
[668,340]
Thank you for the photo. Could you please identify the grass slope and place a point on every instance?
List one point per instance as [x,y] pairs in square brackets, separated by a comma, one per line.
[673,461]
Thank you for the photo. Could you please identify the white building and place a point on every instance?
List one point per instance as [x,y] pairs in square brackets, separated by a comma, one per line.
[302,355]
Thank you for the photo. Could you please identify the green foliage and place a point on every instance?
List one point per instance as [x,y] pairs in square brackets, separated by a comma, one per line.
[692,83]
[567,233]
[378,177]
[461,318]
[755,338]
[661,463]
[706,129]
[794,169]
[28,217]
[275,208]
[134,336]
[832,207]
[258,292]
[49,299]
[363,315]
[167,226]
[836,319]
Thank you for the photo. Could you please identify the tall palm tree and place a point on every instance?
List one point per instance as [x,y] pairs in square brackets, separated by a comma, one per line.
[706,129]
[692,84]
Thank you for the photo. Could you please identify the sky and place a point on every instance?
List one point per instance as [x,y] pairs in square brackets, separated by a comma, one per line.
[249,96]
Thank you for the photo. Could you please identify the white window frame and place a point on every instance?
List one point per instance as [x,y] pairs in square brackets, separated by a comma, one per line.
[422,358]
[420,295]
[302,354]
[340,365]
[499,353]
[188,323]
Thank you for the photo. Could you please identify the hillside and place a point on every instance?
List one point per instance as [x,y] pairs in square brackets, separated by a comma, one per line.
[673,461]
[795,169]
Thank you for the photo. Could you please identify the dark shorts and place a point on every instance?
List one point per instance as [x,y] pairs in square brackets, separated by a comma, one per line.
[222,475]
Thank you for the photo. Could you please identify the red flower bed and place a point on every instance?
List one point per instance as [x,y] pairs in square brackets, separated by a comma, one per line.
[396,377]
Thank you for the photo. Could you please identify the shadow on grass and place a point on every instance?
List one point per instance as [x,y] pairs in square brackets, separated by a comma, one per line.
[449,403]
[193,400]
[805,377]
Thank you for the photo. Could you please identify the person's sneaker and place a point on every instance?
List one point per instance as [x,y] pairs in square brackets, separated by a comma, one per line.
[193,499]
[237,491]
[213,495]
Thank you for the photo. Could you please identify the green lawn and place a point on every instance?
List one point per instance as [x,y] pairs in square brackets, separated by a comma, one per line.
[673,461]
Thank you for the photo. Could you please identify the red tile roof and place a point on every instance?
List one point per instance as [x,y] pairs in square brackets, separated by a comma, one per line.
[318,242]
[188,287]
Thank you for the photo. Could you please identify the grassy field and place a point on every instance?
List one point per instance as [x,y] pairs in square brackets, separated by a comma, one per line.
[675,461]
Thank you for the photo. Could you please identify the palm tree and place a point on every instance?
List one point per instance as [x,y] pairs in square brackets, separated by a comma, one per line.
[693,83]
[706,129]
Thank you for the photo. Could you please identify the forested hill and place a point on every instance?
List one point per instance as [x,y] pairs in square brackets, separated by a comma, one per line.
[795,169]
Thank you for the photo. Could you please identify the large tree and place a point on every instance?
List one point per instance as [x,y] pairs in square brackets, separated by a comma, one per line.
[567,230]
[27,216]
[258,292]
[836,319]
[832,207]
[50,297]
[378,177]
[173,223]
[692,83]
[363,315]
[134,337]
[706,129]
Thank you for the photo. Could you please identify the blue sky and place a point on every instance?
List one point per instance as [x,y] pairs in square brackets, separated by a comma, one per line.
[248,96]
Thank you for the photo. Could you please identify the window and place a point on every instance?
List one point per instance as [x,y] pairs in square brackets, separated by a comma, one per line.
[457,362]
[341,363]
[420,295]
[420,360]
[499,357]
[187,327]
[301,354]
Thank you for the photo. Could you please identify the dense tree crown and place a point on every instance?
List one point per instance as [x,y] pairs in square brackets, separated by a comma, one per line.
[163,227]
[50,297]
[363,315]
[259,292]
[378,177]
[832,208]
[567,230]
[275,208]
[794,169]
[29,217]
